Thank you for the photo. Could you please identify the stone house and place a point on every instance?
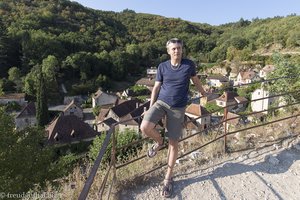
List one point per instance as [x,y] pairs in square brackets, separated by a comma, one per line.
[266,70]
[245,77]
[230,100]
[108,116]
[27,117]
[69,129]
[73,109]
[101,98]
[198,112]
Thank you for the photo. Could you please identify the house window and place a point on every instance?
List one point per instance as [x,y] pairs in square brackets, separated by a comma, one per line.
[71,113]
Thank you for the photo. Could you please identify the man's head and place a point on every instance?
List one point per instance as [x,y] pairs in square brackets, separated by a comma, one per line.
[174,48]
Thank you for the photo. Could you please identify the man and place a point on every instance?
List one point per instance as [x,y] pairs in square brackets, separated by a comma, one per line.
[169,98]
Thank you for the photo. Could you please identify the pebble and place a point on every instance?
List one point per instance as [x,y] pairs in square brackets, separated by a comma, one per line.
[297,146]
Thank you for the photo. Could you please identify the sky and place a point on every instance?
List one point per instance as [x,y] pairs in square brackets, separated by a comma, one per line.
[213,12]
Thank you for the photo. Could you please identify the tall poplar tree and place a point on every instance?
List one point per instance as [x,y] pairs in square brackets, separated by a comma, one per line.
[42,103]
[3,50]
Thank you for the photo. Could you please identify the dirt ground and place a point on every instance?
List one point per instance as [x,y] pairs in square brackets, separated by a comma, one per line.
[268,173]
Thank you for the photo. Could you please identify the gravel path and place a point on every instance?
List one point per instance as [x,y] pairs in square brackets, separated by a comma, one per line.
[269,173]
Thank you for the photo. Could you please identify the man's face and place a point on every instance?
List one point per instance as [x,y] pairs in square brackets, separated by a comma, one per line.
[175,50]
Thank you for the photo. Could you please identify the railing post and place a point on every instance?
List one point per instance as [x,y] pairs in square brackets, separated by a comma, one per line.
[113,159]
[114,152]
[225,129]
[86,188]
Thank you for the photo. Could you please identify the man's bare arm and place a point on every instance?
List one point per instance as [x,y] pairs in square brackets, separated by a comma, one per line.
[198,85]
[155,92]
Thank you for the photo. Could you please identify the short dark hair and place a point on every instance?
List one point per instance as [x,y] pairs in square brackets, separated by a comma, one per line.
[174,40]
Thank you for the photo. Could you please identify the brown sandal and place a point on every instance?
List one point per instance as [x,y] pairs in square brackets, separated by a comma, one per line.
[167,189]
[154,149]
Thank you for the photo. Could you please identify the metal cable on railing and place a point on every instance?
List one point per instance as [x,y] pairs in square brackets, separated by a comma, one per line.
[111,132]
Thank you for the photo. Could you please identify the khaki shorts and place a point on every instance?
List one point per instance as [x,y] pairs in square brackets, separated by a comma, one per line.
[174,118]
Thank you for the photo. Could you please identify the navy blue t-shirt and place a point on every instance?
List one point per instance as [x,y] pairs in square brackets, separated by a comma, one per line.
[175,82]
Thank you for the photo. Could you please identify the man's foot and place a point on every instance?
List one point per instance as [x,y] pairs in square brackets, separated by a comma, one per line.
[154,149]
[167,189]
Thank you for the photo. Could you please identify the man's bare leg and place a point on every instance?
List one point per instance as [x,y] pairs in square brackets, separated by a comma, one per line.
[148,128]
[173,154]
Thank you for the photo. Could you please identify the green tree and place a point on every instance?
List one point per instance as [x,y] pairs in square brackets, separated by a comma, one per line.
[4,46]
[14,75]
[290,82]
[120,64]
[24,161]
[123,138]
[50,70]
[50,67]
[212,107]
[31,82]
[42,103]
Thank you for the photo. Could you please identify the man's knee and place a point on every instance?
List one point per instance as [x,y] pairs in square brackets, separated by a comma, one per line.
[147,127]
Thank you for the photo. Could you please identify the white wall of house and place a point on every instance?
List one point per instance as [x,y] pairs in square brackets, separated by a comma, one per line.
[102,127]
[240,80]
[103,99]
[74,110]
[112,115]
[24,122]
[263,104]
[262,74]
[214,83]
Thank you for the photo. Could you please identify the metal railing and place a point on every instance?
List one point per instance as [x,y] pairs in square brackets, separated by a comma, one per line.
[111,137]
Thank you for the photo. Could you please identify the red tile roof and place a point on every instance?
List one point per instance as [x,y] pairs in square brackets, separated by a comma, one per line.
[125,107]
[61,130]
